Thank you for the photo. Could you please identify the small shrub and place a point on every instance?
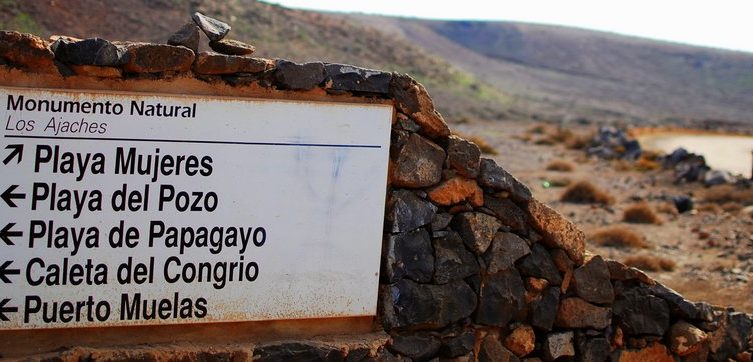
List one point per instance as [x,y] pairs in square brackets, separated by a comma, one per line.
[559,182]
[645,164]
[537,129]
[579,141]
[710,208]
[650,263]
[641,213]
[584,192]
[544,141]
[732,207]
[651,155]
[721,194]
[560,166]
[619,237]
[667,208]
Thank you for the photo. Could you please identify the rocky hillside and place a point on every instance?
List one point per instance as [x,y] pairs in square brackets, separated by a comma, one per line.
[474,69]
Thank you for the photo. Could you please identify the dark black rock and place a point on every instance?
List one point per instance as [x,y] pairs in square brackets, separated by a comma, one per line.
[459,345]
[505,250]
[496,178]
[452,261]
[593,349]
[93,51]
[508,213]
[502,299]
[641,314]
[289,75]
[680,306]
[232,47]
[341,77]
[418,346]
[431,306]
[476,229]
[463,156]
[297,352]
[407,212]
[408,255]
[632,150]
[677,156]
[187,36]
[683,203]
[732,337]
[213,28]
[544,311]
[491,350]
[592,281]
[359,354]
[539,264]
[440,221]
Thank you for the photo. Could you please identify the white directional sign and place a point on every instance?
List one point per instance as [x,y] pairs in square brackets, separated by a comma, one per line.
[129,209]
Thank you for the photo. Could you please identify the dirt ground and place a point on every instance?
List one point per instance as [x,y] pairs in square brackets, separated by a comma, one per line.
[712,249]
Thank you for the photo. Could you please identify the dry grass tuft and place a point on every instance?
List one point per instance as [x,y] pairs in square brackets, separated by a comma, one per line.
[641,213]
[482,144]
[709,208]
[560,166]
[537,129]
[646,164]
[559,182]
[722,194]
[622,165]
[584,192]
[732,207]
[667,208]
[619,237]
[650,263]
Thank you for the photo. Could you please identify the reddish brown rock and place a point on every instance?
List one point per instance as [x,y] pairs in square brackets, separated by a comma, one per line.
[577,313]
[213,63]
[95,71]
[521,341]
[412,99]
[685,339]
[491,350]
[557,231]
[156,58]
[655,353]
[456,190]
[232,47]
[26,50]
[417,163]
[476,229]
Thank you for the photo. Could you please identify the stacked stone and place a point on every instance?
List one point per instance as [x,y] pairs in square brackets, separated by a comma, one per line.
[473,267]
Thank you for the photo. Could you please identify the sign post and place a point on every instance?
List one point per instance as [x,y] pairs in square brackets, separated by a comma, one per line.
[132,209]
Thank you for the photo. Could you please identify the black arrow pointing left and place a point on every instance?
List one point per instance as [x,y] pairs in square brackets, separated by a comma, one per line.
[15,150]
[4,309]
[5,271]
[8,196]
[6,233]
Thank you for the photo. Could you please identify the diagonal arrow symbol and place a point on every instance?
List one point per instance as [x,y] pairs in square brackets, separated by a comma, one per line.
[4,309]
[4,271]
[16,150]
[6,233]
[8,196]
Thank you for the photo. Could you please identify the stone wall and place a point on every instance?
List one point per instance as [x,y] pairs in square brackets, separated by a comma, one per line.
[473,267]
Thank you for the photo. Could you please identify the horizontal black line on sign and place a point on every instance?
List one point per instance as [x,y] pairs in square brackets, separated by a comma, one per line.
[195,141]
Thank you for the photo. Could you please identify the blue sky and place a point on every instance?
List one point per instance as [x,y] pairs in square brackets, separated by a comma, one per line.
[724,24]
